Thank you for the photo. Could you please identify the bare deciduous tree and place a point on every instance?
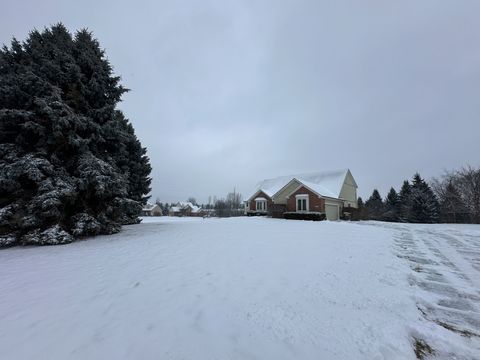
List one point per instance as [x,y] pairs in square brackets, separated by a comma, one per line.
[459,195]
[231,206]
[468,183]
[192,200]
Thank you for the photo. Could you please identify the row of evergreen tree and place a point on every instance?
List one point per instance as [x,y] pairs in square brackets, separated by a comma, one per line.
[453,198]
[415,202]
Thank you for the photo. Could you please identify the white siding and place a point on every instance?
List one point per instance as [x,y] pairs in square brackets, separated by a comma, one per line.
[281,197]
[349,190]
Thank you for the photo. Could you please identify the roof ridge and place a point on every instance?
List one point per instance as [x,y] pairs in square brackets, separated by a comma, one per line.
[273,185]
[343,170]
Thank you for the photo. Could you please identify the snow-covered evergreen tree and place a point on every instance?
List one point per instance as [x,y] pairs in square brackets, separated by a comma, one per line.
[70,163]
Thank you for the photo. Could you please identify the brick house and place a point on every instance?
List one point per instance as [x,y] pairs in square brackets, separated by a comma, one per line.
[321,192]
[151,210]
[185,209]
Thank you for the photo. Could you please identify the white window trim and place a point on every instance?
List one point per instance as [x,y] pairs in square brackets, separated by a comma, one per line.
[302,197]
[263,207]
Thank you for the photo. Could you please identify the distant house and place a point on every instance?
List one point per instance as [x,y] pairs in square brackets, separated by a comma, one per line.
[321,192]
[151,210]
[185,209]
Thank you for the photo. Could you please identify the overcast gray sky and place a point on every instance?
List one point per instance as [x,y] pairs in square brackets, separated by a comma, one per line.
[226,93]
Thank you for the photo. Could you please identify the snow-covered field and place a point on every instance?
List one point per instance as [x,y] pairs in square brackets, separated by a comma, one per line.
[246,288]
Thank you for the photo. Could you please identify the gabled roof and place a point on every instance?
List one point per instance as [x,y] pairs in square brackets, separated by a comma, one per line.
[149,207]
[183,205]
[318,188]
[326,183]
[271,186]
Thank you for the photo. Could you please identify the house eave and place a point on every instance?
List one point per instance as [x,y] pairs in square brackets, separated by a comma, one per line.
[256,193]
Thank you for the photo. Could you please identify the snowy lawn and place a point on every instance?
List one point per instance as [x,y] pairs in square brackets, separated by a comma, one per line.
[246,288]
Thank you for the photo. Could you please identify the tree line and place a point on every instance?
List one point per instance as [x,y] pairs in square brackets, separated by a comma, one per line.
[229,206]
[452,198]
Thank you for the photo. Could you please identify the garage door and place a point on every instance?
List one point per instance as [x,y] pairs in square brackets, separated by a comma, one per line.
[331,212]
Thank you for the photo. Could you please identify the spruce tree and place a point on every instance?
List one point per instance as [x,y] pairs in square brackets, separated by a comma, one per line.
[374,206]
[404,201]
[361,213]
[70,163]
[166,209]
[424,204]
[392,210]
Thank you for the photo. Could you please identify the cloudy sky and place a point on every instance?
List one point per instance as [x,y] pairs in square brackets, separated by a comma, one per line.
[226,93]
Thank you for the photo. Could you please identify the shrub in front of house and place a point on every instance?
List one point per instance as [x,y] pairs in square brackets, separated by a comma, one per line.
[314,216]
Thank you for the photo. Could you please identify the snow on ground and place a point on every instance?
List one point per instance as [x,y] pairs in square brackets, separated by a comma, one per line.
[445,260]
[245,288]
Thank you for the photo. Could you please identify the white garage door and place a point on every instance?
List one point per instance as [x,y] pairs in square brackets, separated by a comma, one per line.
[331,211]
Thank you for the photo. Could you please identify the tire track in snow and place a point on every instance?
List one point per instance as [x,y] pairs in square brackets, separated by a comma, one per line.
[446,282]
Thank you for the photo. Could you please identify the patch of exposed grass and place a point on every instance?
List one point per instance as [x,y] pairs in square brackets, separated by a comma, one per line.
[450,327]
[417,268]
[422,349]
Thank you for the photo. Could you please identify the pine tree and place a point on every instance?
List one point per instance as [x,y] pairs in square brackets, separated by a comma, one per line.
[392,210]
[404,201]
[361,213]
[166,209]
[70,163]
[374,206]
[424,204]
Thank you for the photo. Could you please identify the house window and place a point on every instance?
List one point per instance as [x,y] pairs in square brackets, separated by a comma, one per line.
[302,205]
[302,202]
[261,205]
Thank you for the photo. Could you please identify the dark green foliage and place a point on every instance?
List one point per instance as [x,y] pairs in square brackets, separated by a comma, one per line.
[404,201]
[359,213]
[70,163]
[455,197]
[166,209]
[362,211]
[392,207]
[374,206]
[423,202]
[304,216]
